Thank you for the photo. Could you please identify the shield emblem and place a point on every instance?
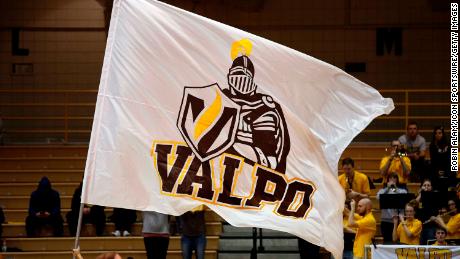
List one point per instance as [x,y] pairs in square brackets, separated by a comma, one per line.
[208,120]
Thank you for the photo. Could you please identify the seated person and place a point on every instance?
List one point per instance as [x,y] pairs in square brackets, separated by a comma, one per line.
[440,237]
[94,214]
[453,225]
[440,159]
[355,184]
[426,186]
[386,217]
[44,209]
[396,162]
[193,228]
[123,219]
[415,147]
[409,228]
[426,212]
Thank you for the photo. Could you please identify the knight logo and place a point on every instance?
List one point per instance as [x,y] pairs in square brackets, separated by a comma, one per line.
[248,131]
[236,120]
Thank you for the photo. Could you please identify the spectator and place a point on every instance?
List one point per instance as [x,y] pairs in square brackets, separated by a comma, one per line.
[396,162]
[426,186]
[386,217]
[426,212]
[415,147]
[414,204]
[355,184]
[440,155]
[193,228]
[440,237]
[44,209]
[123,219]
[2,220]
[94,214]
[155,230]
[366,226]
[307,250]
[349,233]
[409,228]
[453,225]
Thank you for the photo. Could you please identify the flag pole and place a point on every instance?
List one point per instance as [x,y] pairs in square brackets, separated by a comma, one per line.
[77,236]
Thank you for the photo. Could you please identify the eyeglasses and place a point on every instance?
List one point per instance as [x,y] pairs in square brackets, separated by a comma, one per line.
[451,204]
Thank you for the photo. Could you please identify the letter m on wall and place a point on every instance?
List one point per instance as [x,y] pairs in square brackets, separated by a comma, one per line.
[387,40]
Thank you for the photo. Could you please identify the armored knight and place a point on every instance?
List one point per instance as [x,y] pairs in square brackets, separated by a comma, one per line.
[262,134]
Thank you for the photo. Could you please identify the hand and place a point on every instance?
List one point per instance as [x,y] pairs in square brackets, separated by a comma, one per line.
[395,220]
[393,153]
[348,230]
[243,125]
[401,218]
[352,205]
[352,194]
[42,214]
[76,253]
[346,211]
[86,211]
[416,156]
[438,219]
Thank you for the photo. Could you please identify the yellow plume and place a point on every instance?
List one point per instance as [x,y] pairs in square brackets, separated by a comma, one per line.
[243,46]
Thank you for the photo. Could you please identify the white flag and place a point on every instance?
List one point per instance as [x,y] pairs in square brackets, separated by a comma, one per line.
[191,111]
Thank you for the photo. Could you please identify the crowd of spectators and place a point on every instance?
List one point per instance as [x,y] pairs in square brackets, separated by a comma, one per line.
[428,216]
[44,219]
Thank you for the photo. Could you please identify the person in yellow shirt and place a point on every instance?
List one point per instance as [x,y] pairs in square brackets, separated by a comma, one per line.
[409,228]
[355,184]
[396,162]
[349,233]
[366,226]
[440,237]
[453,225]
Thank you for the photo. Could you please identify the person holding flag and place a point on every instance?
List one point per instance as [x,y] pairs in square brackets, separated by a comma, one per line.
[366,226]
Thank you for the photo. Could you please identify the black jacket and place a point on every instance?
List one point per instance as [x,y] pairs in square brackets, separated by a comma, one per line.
[45,199]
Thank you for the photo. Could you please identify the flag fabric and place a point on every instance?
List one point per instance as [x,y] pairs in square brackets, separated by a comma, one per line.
[191,111]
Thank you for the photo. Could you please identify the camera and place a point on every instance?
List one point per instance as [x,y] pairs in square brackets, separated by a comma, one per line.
[401,151]
[392,188]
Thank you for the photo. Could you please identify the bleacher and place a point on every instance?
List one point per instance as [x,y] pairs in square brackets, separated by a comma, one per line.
[20,169]
[22,166]
[46,134]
